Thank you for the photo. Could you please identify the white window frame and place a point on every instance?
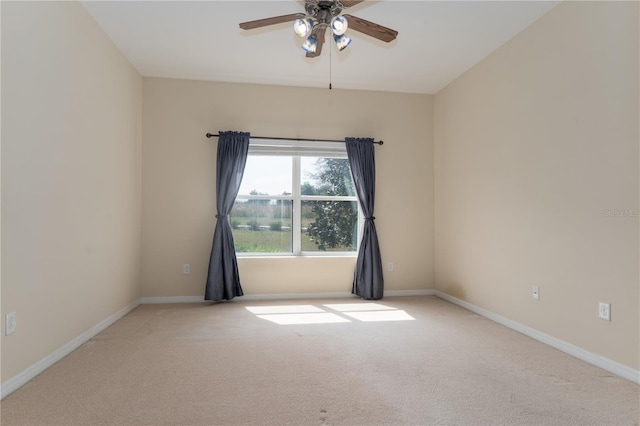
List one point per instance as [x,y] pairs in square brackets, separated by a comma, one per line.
[296,150]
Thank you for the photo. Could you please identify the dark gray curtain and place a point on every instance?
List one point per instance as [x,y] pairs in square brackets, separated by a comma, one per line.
[223,280]
[368,282]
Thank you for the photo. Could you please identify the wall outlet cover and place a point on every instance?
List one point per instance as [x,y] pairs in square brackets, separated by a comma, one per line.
[10,324]
[604,311]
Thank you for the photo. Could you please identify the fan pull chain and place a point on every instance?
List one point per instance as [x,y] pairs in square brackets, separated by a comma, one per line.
[330,50]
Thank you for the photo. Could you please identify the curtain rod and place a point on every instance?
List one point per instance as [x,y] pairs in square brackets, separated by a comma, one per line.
[211,135]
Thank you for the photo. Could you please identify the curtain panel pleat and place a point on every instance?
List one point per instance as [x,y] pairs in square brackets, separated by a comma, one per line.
[223,279]
[368,281]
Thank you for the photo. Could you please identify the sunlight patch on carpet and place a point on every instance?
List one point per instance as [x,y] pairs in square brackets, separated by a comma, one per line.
[283,309]
[344,312]
[355,307]
[310,318]
[371,316]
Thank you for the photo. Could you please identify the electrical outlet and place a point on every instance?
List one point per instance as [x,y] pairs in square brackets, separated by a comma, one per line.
[10,324]
[604,311]
[536,292]
[390,266]
[186,269]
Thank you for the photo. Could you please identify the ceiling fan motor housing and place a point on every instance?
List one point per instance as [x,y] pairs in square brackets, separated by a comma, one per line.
[323,10]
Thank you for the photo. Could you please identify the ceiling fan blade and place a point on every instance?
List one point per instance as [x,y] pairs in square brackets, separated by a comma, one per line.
[371,29]
[349,3]
[250,25]
[320,35]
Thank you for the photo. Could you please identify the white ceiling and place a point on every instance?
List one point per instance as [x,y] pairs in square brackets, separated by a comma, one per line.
[200,40]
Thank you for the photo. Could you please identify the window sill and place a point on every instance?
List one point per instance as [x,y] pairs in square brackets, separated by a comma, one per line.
[292,256]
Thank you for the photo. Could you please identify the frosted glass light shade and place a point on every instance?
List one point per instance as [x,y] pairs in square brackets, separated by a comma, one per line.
[310,44]
[342,41]
[339,25]
[302,27]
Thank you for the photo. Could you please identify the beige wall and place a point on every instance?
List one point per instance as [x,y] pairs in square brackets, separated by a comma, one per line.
[179,180]
[71,178]
[533,146]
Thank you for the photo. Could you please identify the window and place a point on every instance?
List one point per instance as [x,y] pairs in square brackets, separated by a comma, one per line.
[296,198]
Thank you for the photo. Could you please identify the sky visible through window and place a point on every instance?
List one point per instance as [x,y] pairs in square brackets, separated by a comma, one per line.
[272,174]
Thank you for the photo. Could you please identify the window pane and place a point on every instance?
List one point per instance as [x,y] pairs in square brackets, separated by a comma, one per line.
[267,175]
[326,176]
[329,225]
[262,226]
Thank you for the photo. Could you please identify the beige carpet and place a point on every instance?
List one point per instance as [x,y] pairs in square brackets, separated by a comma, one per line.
[412,361]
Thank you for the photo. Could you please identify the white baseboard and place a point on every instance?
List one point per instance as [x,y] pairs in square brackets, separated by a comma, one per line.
[337,295]
[402,293]
[282,296]
[173,299]
[575,351]
[296,296]
[274,296]
[22,378]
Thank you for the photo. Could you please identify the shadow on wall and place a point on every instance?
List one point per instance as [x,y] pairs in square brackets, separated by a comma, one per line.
[456,290]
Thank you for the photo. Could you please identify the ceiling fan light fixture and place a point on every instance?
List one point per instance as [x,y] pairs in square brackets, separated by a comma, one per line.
[339,25]
[310,44]
[320,16]
[342,41]
[302,27]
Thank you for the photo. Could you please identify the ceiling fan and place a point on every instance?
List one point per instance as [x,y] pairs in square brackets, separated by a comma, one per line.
[323,14]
